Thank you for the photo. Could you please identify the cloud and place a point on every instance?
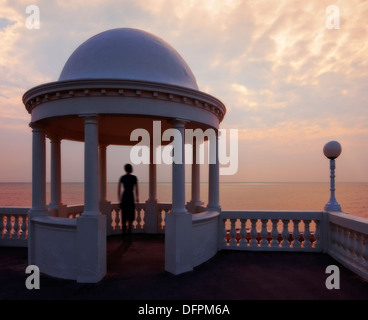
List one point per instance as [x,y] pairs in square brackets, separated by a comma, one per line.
[282,74]
[4,23]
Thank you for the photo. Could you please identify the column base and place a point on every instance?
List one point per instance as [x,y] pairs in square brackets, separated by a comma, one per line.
[214,208]
[58,210]
[178,243]
[91,248]
[192,206]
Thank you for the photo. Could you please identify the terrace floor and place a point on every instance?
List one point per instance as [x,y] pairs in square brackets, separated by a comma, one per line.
[136,272]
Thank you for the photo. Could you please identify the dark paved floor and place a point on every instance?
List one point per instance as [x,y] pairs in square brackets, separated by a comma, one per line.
[136,272]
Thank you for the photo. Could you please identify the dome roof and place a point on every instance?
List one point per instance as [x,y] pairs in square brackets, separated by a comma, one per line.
[128,54]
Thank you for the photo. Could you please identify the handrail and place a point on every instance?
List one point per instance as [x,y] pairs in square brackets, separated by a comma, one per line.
[271,230]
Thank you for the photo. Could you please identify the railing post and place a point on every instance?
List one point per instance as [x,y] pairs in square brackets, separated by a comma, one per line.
[307,244]
[285,234]
[243,233]
[253,233]
[264,233]
[274,234]
[296,234]
[233,241]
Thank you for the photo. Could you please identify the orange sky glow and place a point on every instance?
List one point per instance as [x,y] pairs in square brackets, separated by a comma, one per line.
[290,84]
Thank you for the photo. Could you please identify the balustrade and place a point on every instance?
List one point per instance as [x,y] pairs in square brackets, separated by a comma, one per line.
[343,236]
[270,230]
[114,218]
[13,226]
[349,242]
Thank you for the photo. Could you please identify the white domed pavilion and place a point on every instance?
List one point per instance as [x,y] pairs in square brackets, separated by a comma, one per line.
[112,84]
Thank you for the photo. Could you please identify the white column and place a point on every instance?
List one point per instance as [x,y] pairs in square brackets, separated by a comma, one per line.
[55,174]
[214,182]
[38,186]
[178,172]
[102,172]
[91,226]
[152,196]
[91,186]
[196,199]
[152,218]
[178,223]
[38,169]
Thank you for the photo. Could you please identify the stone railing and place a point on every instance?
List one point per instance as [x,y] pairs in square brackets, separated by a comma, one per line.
[348,241]
[343,236]
[114,218]
[271,230]
[74,211]
[14,226]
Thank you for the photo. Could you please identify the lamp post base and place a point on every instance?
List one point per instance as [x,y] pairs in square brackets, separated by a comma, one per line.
[334,207]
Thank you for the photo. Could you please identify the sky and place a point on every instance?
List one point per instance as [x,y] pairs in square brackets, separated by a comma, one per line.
[290,81]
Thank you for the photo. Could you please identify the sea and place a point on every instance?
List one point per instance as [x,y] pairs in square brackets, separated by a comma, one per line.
[353,197]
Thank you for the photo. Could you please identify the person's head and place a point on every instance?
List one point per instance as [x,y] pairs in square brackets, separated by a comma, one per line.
[128,168]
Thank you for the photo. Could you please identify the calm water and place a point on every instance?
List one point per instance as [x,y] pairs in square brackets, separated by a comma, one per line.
[353,197]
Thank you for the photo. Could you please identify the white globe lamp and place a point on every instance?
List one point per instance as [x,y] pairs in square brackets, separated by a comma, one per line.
[332,150]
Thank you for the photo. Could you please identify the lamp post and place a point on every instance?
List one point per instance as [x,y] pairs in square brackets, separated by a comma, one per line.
[332,150]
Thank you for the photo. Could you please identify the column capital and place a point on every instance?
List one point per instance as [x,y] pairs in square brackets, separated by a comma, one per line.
[89,117]
[102,146]
[54,138]
[178,122]
[39,127]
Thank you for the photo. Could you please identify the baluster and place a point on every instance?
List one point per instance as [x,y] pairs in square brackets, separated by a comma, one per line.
[109,225]
[233,241]
[16,227]
[253,233]
[161,215]
[143,216]
[138,219]
[359,247]
[274,234]
[351,244]
[339,237]
[264,233]
[285,234]
[118,220]
[114,226]
[296,234]
[243,233]
[166,211]
[23,227]
[307,244]
[345,241]
[8,227]
[333,236]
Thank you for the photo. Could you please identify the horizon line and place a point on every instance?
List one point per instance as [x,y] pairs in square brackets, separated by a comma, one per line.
[187,182]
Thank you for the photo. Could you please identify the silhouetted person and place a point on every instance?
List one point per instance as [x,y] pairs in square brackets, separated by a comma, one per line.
[127,203]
